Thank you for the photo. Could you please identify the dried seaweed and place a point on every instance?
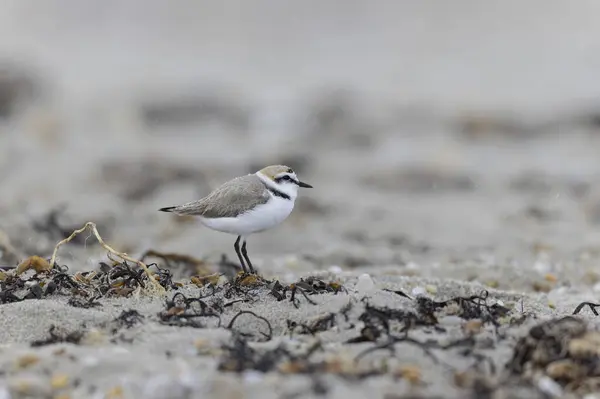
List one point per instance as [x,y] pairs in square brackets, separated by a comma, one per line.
[591,305]
[128,318]
[321,324]
[267,336]
[472,307]
[564,349]
[85,304]
[55,337]
[309,286]
[182,311]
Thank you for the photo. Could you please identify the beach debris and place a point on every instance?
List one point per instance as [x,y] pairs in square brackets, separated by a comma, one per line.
[319,324]
[182,311]
[56,336]
[36,263]
[27,361]
[59,381]
[254,336]
[591,305]
[126,258]
[128,318]
[559,354]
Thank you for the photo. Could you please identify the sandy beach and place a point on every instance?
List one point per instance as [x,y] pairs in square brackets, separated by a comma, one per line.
[452,231]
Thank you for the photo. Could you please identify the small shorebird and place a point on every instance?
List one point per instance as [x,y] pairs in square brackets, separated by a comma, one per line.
[246,205]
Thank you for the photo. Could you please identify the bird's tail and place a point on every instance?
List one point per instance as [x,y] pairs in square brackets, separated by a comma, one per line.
[167,209]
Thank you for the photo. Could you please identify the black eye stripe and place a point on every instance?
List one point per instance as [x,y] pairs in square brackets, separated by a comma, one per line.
[286,178]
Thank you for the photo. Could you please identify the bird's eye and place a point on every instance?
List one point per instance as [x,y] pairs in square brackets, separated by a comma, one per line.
[286,177]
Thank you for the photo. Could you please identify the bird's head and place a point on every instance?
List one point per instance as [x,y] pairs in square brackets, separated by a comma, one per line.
[282,178]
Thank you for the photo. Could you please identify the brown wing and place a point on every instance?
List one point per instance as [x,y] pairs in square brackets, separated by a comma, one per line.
[228,200]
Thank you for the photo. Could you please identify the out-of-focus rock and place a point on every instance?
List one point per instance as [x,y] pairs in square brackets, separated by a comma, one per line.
[18,86]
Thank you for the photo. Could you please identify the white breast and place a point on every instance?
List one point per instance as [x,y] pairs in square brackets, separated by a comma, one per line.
[261,218]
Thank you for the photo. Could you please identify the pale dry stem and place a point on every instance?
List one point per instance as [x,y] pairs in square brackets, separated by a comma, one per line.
[121,255]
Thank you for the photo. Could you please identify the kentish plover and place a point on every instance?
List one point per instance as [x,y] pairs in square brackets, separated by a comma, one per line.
[247,205]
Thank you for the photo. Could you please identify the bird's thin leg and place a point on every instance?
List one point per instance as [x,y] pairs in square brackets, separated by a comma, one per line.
[239,254]
[245,253]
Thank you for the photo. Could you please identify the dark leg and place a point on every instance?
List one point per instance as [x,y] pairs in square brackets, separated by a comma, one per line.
[237,251]
[245,253]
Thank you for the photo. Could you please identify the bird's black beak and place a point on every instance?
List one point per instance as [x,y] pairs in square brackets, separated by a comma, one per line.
[305,185]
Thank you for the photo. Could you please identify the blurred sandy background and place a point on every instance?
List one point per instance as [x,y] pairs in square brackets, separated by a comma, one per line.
[443,138]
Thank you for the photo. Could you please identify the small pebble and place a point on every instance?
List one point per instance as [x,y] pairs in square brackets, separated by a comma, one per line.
[335,269]
[365,284]
[253,377]
[417,291]
[59,381]
[541,267]
[550,387]
[432,289]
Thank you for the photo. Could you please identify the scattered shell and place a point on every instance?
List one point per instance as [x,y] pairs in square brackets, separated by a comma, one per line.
[587,346]
[550,387]
[539,286]
[27,361]
[432,289]
[59,381]
[473,327]
[411,374]
[115,393]
[492,283]
[564,369]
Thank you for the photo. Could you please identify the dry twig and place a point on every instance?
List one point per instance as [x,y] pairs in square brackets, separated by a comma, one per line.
[92,227]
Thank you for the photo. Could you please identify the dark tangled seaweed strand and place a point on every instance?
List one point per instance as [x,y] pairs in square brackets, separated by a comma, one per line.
[241,357]
[545,343]
[55,337]
[260,335]
[77,302]
[128,319]
[245,285]
[378,322]
[182,311]
[164,277]
[54,281]
[591,305]
[321,324]
[472,307]
[565,349]
[309,286]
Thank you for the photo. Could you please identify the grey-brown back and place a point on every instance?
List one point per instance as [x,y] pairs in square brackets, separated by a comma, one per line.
[228,200]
